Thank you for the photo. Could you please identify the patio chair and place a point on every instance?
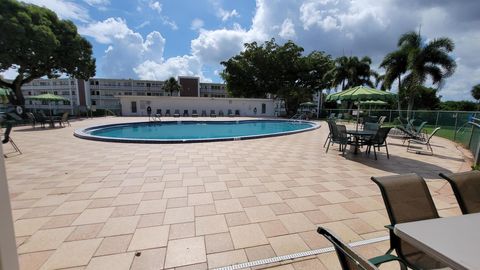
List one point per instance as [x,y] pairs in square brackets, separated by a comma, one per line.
[466,187]
[159,113]
[381,120]
[204,113]
[230,113]
[7,138]
[407,199]
[40,119]
[330,123]
[64,119]
[194,113]
[185,113]
[371,126]
[220,113]
[237,112]
[331,116]
[339,136]
[32,119]
[349,259]
[167,112]
[426,143]
[176,113]
[212,113]
[377,141]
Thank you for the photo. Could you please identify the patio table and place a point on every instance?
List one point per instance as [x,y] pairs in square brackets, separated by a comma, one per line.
[360,135]
[451,240]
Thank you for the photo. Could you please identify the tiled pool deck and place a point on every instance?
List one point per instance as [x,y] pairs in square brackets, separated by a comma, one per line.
[80,204]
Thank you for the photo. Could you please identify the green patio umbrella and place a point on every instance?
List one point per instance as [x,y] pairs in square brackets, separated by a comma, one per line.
[359,94]
[48,98]
[308,104]
[373,102]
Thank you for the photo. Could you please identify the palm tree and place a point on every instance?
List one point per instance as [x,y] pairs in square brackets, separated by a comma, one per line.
[351,71]
[171,85]
[395,65]
[424,61]
[476,94]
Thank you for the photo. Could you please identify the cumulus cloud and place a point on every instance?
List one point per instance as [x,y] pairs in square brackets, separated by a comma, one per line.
[222,13]
[64,9]
[287,30]
[186,65]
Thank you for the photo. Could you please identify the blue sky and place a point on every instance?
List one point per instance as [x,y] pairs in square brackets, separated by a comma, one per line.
[155,39]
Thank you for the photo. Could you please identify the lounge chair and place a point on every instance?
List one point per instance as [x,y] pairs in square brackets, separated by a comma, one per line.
[177,113]
[7,138]
[426,143]
[377,141]
[194,113]
[466,187]
[212,113]
[237,112]
[204,113]
[167,112]
[349,259]
[230,113]
[220,113]
[185,113]
[407,199]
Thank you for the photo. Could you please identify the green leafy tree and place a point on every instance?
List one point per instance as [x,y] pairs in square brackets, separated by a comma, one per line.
[171,85]
[395,65]
[37,43]
[424,61]
[476,94]
[463,105]
[280,71]
[426,98]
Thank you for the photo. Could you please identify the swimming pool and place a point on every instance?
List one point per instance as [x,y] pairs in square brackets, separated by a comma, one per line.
[193,131]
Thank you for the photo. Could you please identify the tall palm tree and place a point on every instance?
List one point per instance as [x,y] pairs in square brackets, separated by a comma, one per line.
[395,65]
[351,71]
[476,94]
[425,61]
[171,85]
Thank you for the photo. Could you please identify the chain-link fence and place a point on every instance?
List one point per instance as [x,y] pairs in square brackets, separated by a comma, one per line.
[459,126]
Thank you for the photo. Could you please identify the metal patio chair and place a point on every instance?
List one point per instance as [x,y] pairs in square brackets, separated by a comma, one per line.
[407,199]
[426,143]
[466,187]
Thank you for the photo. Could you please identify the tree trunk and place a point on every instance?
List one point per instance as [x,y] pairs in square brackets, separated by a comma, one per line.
[398,97]
[19,98]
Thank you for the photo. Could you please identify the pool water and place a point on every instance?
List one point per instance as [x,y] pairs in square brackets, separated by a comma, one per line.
[195,130]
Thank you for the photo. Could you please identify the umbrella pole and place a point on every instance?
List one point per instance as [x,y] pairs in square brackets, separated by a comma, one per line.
[358,115]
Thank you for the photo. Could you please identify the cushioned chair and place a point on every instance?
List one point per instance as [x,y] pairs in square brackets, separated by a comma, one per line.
[167,112]
[466,187]
[407,199]
[177,113]
[194,113]
[185,113]
[230,113]
[204,113]
[212,113]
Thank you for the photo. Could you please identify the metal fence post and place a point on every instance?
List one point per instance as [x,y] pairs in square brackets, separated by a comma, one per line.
[390,117]
[455,130]
[436,121]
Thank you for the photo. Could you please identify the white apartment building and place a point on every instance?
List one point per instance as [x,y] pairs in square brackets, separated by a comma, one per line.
[104,93]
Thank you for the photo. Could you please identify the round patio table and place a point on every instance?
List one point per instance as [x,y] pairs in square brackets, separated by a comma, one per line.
[360,135]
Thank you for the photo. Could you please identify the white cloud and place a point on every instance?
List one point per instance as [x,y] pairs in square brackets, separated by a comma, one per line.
[10,73]
[64,9]
[222,13]
[98,3]
[180,65]
[140,26]
[106,31]
[287,30]
[167,21]
[155,6]
[196,24]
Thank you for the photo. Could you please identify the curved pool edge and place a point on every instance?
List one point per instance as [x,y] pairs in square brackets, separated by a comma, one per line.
[82,133]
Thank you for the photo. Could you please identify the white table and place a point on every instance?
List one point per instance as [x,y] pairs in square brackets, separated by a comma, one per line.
[454,241]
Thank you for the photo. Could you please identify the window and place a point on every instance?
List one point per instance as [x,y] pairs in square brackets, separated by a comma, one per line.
[92,93]
[94,102]
[134,107]
[29,93]
[73,93]
[55,92]
[98,93]
[264,108]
